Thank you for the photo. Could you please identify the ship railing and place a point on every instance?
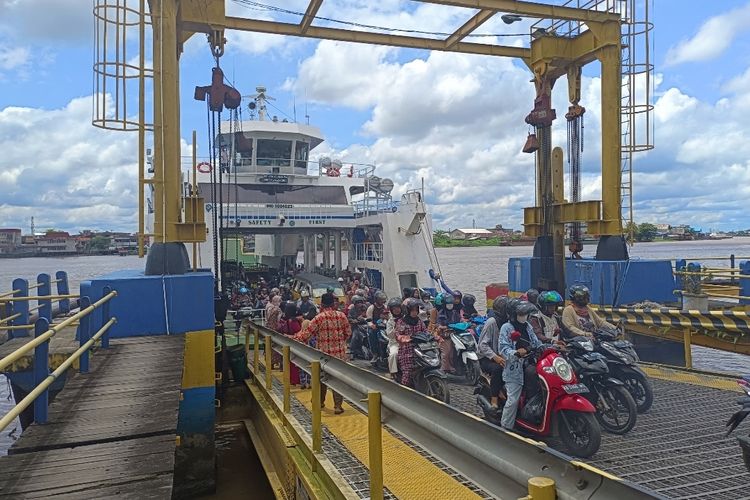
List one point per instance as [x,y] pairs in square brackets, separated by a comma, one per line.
[43,333]
[284,166]
[17,316]
[370,251]
[374,206]
[496,461]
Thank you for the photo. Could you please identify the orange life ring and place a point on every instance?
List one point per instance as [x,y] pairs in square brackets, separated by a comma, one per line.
[204,167]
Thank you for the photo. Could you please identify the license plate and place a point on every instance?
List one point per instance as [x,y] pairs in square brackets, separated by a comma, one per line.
[576,388]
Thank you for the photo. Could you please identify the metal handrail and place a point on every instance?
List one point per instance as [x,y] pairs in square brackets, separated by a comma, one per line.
[44,385]
[42,297]
[487,454]
[21,351]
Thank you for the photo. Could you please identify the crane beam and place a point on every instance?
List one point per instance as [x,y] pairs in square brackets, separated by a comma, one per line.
[476,20]
[532,9]
[279,28]
[309,17]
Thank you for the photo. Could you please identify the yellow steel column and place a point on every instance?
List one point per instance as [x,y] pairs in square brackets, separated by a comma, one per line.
[316,418]
[269,382]
[167,197]
[688,344]
[611,91]
[194,192]
[287,379]
[256,351]
[375,442]
[141,125]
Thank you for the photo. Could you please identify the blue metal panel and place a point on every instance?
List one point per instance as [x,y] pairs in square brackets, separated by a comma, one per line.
[154,305]
[519,274]
[623,281]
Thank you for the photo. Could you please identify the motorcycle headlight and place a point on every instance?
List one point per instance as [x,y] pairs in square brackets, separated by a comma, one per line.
[563,369]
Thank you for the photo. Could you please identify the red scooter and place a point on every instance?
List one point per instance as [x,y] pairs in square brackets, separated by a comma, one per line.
[551,404]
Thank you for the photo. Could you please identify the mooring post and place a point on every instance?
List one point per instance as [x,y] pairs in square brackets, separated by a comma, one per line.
[63,289]
[375,443]
[41,371]
[44,290]
[744,281]
[84,334]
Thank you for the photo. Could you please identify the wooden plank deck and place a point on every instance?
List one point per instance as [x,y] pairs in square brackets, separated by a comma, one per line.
[110,432]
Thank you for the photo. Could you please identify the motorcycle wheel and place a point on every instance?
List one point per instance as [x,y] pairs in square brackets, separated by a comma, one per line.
[473,371]
[640,388]
[622,413]
[580,432]
[437,388]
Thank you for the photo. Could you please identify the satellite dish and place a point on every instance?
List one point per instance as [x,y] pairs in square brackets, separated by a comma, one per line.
[374,182]
[324,162]
[386,185]
[337,163]
[251,105]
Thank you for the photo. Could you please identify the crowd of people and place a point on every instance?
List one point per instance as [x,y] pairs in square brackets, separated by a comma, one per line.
[513,327]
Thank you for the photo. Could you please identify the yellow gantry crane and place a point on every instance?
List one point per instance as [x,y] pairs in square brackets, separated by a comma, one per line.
[597,37]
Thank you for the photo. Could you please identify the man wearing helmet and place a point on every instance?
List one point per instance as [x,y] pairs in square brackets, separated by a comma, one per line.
[513,348]
[449,313]
[373,314]
[305,305]
[395,309]
[406,327]
[545,322]
[490,361]
[579,318]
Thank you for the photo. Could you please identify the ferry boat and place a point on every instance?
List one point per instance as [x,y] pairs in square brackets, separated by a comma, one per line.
[271,199]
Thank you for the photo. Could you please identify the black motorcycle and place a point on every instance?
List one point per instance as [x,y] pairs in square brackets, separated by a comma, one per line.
[615,408]
[738,417]
[622,362]
[426,375]
[380,351]
[359,345]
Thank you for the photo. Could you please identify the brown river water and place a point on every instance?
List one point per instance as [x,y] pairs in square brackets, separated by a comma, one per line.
[467,269]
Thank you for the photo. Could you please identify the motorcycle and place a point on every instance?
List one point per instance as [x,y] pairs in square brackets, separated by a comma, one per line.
[359,345]
[622,362]
[615,408]
[557,405]
[464,353]
[380,361]
[738,417]
[426,375]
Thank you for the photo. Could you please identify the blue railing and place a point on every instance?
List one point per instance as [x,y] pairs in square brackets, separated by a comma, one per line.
[43,379]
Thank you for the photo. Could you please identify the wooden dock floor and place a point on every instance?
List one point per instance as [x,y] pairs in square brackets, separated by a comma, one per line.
[110,432]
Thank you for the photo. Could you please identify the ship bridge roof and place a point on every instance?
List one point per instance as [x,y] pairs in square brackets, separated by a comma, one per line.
[277,129]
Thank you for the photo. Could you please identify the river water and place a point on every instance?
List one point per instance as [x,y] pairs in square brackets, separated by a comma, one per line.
[467,269]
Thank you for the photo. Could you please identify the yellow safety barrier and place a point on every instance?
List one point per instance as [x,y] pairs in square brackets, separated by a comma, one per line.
[42,297]
[9,318]
[21,351]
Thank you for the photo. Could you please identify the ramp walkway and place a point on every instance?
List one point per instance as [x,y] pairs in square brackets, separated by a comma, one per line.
[110,432]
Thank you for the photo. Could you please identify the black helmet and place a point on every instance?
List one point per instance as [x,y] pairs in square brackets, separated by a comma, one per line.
[457,294]
[412,304]
[426,296]
[357,300]
[524,308]
[407,292]
[532,295]
[380,297]
[290,309]
[469,300]
[579,294]
[499,307]
[510,309]
[394,302]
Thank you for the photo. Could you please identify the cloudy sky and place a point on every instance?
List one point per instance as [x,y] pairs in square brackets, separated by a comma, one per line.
[454,120]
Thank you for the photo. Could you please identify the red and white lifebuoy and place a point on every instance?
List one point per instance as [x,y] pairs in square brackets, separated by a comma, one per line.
[204,167]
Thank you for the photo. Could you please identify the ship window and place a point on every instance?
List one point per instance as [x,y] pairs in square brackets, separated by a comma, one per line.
[274,153]
[279,193]
[300,154]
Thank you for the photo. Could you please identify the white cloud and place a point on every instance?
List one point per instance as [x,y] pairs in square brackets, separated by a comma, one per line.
[713,38]
[47,20]
[12,58]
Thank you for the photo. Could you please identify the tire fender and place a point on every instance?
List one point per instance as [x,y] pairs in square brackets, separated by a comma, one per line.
[436,374]
[609,382]
[574,402]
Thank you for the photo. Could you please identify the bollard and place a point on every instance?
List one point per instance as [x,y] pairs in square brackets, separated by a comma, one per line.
[287,375]
[744,281]
[316,417]
[41,371]
[44,289]
[268,349]
[63,289]
[84,334]
[375,442]
[21,307]
[256,352]
[541,488]
[687,343]
[105,317]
